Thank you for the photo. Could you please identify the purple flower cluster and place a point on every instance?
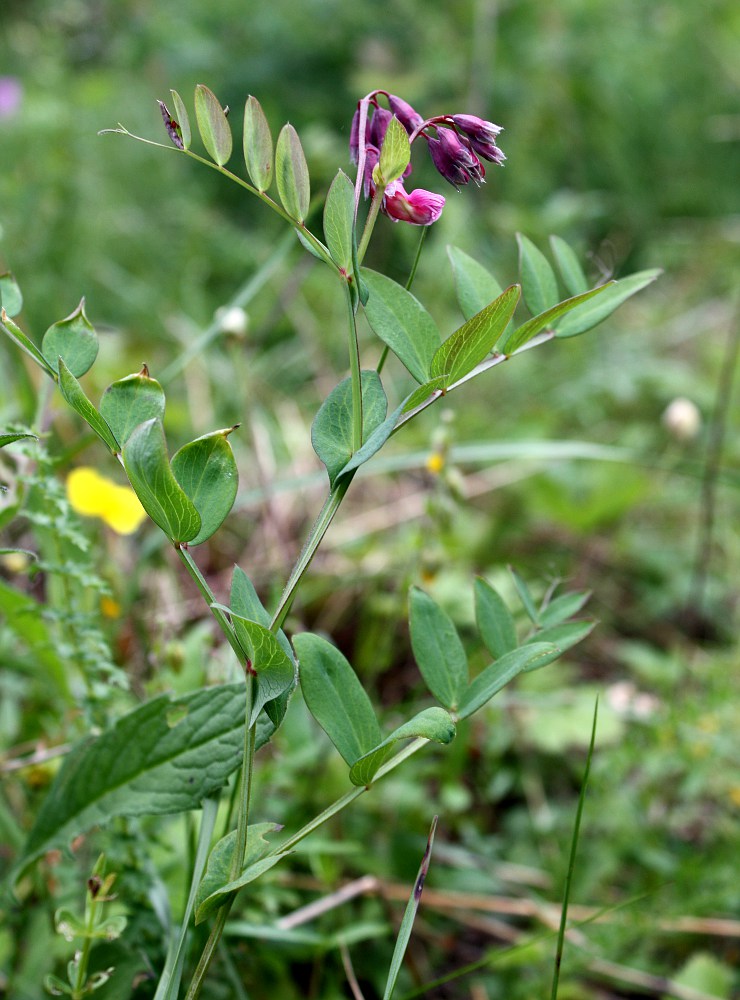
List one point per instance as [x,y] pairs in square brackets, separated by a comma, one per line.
[457,144]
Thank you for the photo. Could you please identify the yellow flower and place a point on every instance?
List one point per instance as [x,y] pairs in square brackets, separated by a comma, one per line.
[435,463]
[91,494]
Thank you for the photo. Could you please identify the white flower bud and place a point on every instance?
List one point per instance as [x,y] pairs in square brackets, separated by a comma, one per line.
[233,320]
[682,419]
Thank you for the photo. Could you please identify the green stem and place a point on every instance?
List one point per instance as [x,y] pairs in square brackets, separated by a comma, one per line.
[210,599]
[355,372]
[196,983]
[372,217]
[245,787]
[331,506]
[78,990]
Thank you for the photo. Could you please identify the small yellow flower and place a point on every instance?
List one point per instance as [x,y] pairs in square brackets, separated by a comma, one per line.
[435,463]
[109,607]
[93,495]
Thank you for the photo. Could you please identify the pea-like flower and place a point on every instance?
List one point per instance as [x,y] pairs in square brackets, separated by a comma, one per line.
[419,207]
[482,136]
[454,159]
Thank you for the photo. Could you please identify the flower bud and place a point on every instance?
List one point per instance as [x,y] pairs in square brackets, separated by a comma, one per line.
[378,126]
[482,136]
[454,159]
[354,138]
[408,117]
[419,207]
[682,419]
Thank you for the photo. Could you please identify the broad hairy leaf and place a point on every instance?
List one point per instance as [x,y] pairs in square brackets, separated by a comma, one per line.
[291,174]
[183,119]
[569,266]
[206,470]
[475,286]
[395,153]
[216,885]
[514,339]
[213,125]
[432,724]
[475,339]
[401,322]
[495,624]
[588,315]
[74,394]
[437,648]
[331,432]
[539,284]
[149,472]
[11,298]
[130,401]
[19,338]
[73,339]
[495,676]
[339,221]
[164,757]
[257,144]
[335,697]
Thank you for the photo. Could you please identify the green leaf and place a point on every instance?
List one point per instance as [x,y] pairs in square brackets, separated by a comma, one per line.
[73,393]
[146,765]
[24,616]
[525,596]
[14,436]
[514,339]
[149,472]
[539,284]
[402,323]
[591,313]
[206,470]
[275,670]
[404,931]
[130,401]
[498,674]
[183,119]
[213,125]
[339,221]
[569,266]
[335,697]
[257,144]
[437,648]
[216,885]
[474,285]
[372,445]
[564,635]
[470,344]
[19,338]
[331,433]
[73,339]
[562,607]
[432,724]
[291,174]
[494,620]
[11,299]
[395,153]
[420,395]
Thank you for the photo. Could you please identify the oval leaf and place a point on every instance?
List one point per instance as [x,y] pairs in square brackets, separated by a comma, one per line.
[539,284]
[339,221]
[497,675]
[494,620]
[130,401]
[146,766]
[215,884]
[275,670]
[206,470]
[431,724]
[395,153]
[569,266]
[11,298]
[437,648]
[73,393]
[335,697]
[213,125]
[474,285]
[590,314]
[73,339]
[514,339]
[183,119]
[474,340]
[291,174]
[162,497]
[257,144]
[401,322]
[331,432]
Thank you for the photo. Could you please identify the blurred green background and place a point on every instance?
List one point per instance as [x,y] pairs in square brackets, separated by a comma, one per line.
[622,133]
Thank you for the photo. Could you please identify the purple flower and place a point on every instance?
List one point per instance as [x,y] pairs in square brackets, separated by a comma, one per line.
[354,138]
[454,159]
[482,136]
[408,117]
[419,207]
[11,93]
[378,126]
